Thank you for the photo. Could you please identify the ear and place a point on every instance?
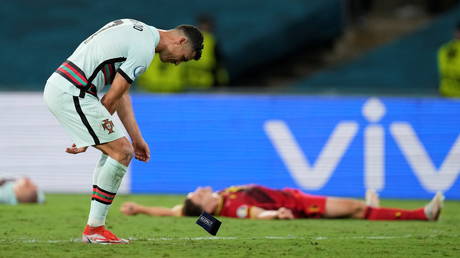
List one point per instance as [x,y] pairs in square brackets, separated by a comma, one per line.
[183,40]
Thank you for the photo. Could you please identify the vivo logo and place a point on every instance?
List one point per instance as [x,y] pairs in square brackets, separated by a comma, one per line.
[313,175]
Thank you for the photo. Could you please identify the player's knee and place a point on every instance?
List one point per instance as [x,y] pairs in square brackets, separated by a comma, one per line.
[124,153]
[128,151]
[358,209]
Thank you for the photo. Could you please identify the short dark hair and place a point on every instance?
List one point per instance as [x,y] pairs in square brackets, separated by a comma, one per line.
[195,37]
[191,209]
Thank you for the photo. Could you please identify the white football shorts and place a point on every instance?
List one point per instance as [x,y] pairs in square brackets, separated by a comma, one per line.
[86,120]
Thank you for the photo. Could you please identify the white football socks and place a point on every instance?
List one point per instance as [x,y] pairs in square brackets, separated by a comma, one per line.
[106,181]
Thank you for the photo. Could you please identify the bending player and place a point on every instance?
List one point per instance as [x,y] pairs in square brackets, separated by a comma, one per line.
[259,202]
[114,55]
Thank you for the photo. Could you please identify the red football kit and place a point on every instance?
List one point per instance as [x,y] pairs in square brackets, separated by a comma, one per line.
[237,201]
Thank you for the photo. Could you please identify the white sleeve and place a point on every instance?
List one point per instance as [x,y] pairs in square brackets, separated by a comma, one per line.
[136,63]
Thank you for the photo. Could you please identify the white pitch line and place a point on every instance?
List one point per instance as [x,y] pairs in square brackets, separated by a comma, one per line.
[289,237]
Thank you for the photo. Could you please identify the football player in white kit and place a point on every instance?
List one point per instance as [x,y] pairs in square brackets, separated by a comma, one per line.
[114,55]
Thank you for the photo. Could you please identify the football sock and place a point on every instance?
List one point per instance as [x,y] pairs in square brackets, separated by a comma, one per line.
[105,186]
[100,163]
[394,214]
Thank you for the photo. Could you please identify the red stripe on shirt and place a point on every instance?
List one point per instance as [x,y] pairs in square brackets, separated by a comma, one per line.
[69,76]
[76,72]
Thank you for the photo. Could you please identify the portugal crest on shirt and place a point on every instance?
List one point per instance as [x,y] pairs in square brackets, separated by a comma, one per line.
[108,125]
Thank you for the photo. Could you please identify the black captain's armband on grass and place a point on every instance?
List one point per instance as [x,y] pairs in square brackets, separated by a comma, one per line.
[209,223]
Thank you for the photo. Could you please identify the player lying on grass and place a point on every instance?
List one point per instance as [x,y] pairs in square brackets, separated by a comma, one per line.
[21,190]
[259,202]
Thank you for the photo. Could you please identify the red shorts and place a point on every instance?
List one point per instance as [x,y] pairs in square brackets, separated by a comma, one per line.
[311,206]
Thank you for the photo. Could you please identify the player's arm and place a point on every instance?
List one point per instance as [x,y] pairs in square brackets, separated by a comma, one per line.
[130,208]
[281,213]
[117,97]
[111,99]
[126,114]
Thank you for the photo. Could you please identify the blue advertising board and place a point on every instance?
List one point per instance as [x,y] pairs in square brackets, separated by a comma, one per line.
[339,146]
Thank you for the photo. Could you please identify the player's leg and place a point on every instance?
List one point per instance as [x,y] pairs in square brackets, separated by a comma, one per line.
[314,206]
[344,208]
[349,208]
[89,123]
[117,154]
[372,198]
[433,208]
[106,180]
[430,212]
[99,165]
[93,219]
[120,150]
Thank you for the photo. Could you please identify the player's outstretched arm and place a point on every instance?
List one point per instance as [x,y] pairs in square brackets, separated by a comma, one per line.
[131,208]
[281,213]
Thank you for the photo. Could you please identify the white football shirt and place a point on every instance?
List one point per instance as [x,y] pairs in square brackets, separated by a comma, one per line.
[126,46]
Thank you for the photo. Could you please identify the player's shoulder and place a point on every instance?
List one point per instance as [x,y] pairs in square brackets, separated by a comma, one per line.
[140,31]
[138,28]
[127,21]
[139,25]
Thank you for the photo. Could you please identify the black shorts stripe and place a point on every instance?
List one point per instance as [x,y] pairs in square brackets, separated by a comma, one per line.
[125,76]
[102,190]
[101,201]
[76,101]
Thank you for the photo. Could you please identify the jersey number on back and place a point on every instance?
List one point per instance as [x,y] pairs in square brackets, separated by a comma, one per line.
[111,25]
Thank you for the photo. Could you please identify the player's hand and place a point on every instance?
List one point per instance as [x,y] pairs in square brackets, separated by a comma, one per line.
[129,208]
[141,151]
[284,213]
[75,150]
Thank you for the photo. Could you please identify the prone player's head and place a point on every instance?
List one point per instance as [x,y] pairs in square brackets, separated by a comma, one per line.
[186,43]
[27,191]
[202,199]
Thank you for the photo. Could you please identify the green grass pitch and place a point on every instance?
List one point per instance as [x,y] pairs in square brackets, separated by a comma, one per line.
[52,230]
